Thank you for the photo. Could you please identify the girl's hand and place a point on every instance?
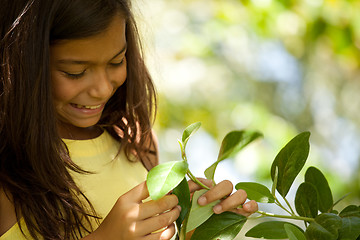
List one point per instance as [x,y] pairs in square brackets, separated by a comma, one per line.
[229,201]
[132,219]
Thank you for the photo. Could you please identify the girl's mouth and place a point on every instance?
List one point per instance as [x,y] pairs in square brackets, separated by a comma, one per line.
[93,107]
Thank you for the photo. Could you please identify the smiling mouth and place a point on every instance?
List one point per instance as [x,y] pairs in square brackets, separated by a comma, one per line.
[86,107]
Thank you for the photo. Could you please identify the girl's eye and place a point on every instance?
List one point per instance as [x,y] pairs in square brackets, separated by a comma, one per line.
[74,75]
[116,64]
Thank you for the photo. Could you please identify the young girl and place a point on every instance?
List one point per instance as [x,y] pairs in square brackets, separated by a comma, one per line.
[76,108]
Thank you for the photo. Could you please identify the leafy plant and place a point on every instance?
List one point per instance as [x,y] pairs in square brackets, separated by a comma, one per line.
[313,201]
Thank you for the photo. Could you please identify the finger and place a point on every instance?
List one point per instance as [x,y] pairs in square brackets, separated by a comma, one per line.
[137,194]
[160,221]
[232,202]
[154,207]
[219,191]
[251,206]
[248,208]
[166,234]
[194,186]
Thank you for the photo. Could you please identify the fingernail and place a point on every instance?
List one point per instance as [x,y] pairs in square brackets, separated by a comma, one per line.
[217,209]
[202,200]
[245,206]
[178,206]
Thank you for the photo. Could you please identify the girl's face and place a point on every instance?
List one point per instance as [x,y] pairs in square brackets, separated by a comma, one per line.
[85,73]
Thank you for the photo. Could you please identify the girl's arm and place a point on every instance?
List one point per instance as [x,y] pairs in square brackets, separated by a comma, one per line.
[131,219]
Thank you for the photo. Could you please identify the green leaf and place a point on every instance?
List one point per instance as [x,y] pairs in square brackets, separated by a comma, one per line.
[290,160]
[199,214]
[189,130]
[224,226]
[270,230]
[256,191]
[232,143]
[306,200]
[350,229]
[350,210]
[294,233]
[334,211]
[325,227]
[183,193]
[181,147]
[164,177]
[318,180]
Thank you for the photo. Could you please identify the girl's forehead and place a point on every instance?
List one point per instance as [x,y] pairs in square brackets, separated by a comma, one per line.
[99,47]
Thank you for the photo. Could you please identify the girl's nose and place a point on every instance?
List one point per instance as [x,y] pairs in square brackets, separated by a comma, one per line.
[101,85]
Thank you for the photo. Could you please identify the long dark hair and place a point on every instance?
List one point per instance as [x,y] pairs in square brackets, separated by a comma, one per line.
[34,162]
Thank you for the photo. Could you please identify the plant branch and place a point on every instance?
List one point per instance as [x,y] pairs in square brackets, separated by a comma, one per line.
[183,156]
[189,173]
[285,216]
[195,180]
[287,202]
[340,199]
[277,202]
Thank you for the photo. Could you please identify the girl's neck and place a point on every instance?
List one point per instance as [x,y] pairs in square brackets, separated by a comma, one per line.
[68,131]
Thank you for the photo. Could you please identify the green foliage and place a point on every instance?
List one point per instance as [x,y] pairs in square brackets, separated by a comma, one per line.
[326,226]
[165,177]
[293,232]
[318,180]
[306,200]
[256,191]
[350,228]
[199,214]
[313,200]
[290,160]
[220,226]
[270,230]
[182,192]
[226,89]
[189,131]
[232,144]
[350,211]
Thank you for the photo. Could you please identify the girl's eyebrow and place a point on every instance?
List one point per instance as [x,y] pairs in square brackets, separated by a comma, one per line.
[82,62]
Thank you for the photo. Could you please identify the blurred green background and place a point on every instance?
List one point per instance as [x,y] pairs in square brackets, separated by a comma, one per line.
[279,67]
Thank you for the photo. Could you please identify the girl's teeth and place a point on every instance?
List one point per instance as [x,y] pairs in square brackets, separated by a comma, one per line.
[88,107]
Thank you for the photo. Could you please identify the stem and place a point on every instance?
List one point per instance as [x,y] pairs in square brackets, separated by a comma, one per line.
[281,206]
[293,213]
[195,180]
[285,216]
[189,173]
[183,155]
[340,199]
[277,202]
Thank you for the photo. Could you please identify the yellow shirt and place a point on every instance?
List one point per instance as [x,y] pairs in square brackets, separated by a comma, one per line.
[113,175]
